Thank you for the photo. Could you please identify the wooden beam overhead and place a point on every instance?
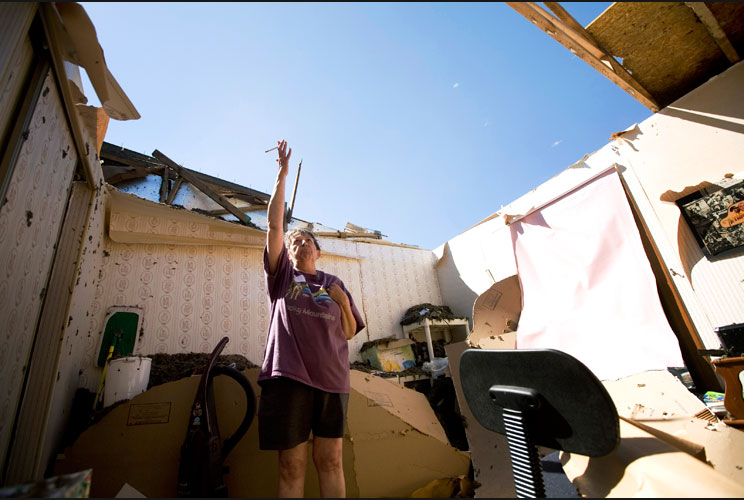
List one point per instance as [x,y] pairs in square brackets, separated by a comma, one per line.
[244,208]
[174,191]
[116,174]
[164,186]
[714,28]
[583,46]
[203,187]
[344,234]
[294,193]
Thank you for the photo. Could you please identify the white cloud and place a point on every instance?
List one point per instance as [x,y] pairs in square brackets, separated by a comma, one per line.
[556,143]
[457,84]
[485,124]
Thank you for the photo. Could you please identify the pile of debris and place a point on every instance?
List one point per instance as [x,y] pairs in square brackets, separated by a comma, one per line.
[171,367]
[364,367]
[426,310]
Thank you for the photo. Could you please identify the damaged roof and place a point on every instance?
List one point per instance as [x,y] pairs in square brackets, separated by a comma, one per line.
[655,51]
[120,164]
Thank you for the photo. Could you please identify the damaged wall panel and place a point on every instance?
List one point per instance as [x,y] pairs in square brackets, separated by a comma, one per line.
[16,55]
[82,319]
[696,141]
[26,460]
[191,295]
[394,279]
[30,221]
[660,160]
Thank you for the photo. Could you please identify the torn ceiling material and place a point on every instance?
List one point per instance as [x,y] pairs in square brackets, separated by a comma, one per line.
[655,51]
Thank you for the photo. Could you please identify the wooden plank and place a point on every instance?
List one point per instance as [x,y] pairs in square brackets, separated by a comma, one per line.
[559,32]
[174,190]
[664,45]
[294,193]
[202,187]
[114,174]
[344,234]
[576,30]
[594,46]
[244,208]
[714,28]
[164,186]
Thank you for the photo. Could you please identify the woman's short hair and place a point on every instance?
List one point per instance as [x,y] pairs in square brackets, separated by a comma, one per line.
[293,233]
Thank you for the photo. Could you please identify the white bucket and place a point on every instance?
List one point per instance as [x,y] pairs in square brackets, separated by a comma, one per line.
[125,378]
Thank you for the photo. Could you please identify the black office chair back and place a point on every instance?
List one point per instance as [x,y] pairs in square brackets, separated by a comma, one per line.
[538,397]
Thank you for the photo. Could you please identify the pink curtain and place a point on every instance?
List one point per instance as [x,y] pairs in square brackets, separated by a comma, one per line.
[587,285]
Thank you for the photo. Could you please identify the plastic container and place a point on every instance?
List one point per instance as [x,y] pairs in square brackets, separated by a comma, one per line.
[125,378]
[436,367]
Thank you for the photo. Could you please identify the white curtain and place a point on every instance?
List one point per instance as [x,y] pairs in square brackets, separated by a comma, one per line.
[587,285]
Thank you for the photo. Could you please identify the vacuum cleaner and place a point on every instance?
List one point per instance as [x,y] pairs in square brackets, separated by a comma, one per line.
[201,470]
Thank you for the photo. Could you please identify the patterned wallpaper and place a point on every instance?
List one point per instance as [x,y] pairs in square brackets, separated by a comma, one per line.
[29,226]
[192,295]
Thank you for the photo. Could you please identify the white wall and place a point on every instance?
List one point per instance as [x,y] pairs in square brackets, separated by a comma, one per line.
[194,293]
[697,139]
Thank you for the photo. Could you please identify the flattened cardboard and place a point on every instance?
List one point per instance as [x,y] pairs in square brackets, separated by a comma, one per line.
[394,443]
[496,314]
[643,466]
[658,400]
[489,451]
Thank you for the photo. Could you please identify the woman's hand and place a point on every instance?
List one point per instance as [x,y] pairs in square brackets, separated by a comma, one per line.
[348,322]
[338,295]
[284,156]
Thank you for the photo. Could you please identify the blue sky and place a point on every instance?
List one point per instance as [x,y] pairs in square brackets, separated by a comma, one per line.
[414,119]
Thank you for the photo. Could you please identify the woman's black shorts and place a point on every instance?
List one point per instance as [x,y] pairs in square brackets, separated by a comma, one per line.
[288,410]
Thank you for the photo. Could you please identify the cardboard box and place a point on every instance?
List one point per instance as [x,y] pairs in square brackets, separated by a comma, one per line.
[393,356]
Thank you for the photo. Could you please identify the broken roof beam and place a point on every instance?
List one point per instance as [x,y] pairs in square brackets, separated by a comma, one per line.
[344,234]
[710,22]
[174,190]
[164,184]
[203,187]
[569,33]
[244,208]
[115,174]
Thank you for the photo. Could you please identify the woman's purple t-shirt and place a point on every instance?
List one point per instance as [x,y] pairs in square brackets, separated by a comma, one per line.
[306,341]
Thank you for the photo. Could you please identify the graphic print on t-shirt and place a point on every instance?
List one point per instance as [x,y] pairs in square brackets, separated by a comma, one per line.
[299,287]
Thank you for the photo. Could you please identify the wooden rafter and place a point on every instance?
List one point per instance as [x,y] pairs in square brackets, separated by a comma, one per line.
[164,185]
[174,190]
[203,187]
[244,208]
[711,24]
[124,173]
[344,234]
[569,33]
[294,193]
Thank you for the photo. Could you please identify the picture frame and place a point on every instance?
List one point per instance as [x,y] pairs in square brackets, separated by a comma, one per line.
[716,215]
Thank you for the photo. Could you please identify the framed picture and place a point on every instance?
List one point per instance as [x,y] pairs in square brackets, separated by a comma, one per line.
[716,215]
